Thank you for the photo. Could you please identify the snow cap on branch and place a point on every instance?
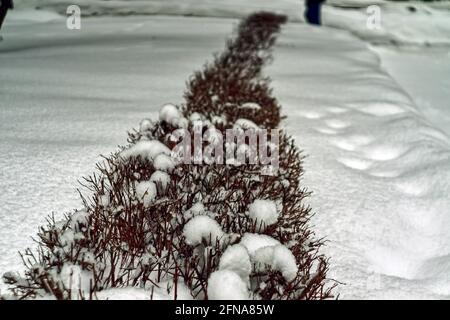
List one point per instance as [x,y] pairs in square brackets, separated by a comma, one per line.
[263,212]
[146,150]
[227,285]
[202,228]
[146,191]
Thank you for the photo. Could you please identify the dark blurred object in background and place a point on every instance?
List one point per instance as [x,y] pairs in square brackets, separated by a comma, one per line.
[5,5]
[312,11]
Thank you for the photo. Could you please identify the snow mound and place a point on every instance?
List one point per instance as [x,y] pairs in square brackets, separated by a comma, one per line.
[146,150]
[197,209]
[170,114]
[409,22]
[160,177]
[202,228]
[164,162]
[401,23]
[146,191]
[236,259]
[263,212]
[227,285]
[278,258]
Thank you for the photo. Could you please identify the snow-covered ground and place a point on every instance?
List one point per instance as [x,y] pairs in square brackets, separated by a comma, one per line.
[409,22]
[424,74]
[379,169]
[378,143]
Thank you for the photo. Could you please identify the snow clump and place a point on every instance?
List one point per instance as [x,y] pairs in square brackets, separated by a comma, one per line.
[146,150]
[171,115]
[227,285]
[254,241]
[236,259]
[279,258]
[202,228]
[164,162]
[263,212]
[146,191]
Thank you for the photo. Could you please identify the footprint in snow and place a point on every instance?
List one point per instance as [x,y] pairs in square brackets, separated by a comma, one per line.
[384,152]
[355,163]
[308,114]
[352,142]
[336,124]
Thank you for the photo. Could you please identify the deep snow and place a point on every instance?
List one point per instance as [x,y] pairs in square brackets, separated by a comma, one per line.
[380,171]
[378,162]
[424,74]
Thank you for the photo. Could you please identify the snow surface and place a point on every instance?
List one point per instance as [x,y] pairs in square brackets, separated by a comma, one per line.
[378,155]
[409,22]
[170,114]
[380,171]
[146,149]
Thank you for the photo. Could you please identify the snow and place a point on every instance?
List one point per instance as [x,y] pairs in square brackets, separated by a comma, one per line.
[146,191]
[227,285]
[405,23]
[31,15]
[170,114]
[145,149]
[197,209]
[160,177]
[245,124]
[126,294]
[162,291]
[146,125]
[378,167]
[164,162]
[263,212]
[378,144]
[77,279]
[424,75]
[55,124]
[253,241]
[278,258]
[236,259]
[202,228]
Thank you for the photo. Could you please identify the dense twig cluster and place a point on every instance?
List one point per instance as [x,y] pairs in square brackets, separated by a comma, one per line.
[126,238]
[225,87]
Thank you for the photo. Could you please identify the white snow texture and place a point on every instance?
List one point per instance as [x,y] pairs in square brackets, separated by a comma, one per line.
[374,122]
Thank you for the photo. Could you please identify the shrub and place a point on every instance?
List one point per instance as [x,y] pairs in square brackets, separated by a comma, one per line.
[184,230]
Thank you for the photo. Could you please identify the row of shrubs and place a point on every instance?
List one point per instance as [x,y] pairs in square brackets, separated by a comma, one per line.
[133,229]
